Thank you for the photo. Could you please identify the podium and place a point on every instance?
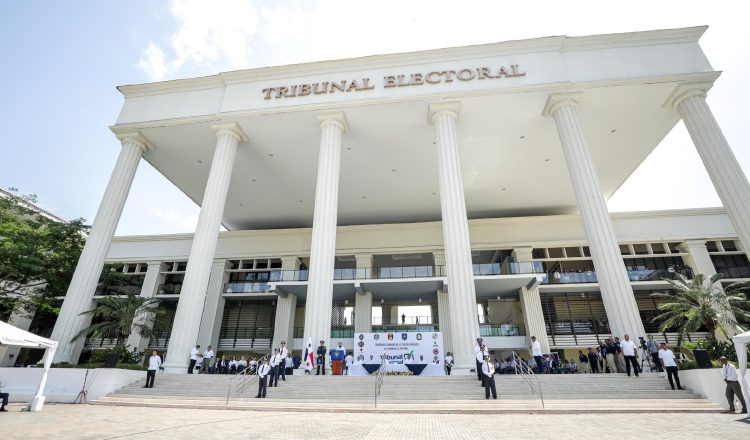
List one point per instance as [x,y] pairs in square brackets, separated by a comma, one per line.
[337,362]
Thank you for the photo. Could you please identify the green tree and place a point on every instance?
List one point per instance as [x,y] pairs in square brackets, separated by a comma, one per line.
[701,302]
[38,253]
[122,315]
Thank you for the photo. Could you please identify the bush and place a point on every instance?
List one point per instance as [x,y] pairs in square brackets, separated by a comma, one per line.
[716,349]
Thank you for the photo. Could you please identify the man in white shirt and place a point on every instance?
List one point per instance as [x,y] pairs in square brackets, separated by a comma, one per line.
[480,360]
[263,371]
[348,361]
[667,359]
[488,371]
[275,362]
[284,352]
[536,351]
[628,350]
[477,350]
[153,365]
[206,362]
[195,355]
[448,363]
[729,374]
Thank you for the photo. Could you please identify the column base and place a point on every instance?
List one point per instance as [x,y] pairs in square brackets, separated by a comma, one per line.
[175,368]
[36,403]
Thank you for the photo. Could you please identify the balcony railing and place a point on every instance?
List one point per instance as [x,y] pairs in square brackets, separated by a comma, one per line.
[118,290]
[246,287]
[169,289]
[735,272]
[508,268]
[501,330]
[633,275]
[402,320]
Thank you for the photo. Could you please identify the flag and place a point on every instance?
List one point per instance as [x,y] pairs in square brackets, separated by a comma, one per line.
[309,355]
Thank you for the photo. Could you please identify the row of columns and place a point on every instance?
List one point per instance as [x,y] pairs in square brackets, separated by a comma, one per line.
[687,99]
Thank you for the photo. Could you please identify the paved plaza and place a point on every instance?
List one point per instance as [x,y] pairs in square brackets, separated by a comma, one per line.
[110,422]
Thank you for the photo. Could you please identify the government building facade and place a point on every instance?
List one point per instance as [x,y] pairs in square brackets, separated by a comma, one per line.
[466,186]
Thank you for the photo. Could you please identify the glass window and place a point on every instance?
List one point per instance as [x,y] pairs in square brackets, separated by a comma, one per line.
[658,248]
[234,264]
[640,249]
[181,266]
[555,252]
[247,264]
[711,246]
[586,251]
[538,253]
[261,264]
[729,245]
[573,252]
[275,264]
[624,249]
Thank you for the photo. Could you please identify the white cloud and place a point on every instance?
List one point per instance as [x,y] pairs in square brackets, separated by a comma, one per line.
[210,36]
[152,62]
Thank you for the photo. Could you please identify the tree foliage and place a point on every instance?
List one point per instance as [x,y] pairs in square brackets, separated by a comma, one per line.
[38,254]
[700,302]
[121,316]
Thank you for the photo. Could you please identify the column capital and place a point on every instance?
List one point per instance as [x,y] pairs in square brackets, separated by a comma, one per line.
[232,129]
[690,245]
[522,253]
[336,118]
[682,91]
[436,109]
[557,100]
[134,137]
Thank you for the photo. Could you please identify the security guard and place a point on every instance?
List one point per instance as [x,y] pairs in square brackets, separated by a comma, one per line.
[321,360]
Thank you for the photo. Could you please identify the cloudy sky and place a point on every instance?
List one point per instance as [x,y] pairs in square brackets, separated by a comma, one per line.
[63,60]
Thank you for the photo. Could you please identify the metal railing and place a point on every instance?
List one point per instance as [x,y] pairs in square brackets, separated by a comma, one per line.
[527,374]
[379,379]
[247,287]
[245,376]
[501,330]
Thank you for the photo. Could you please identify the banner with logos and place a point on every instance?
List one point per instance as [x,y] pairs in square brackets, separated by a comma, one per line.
[419,352]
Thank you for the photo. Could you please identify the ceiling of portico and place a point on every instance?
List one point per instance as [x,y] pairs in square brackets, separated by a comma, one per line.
[511,158]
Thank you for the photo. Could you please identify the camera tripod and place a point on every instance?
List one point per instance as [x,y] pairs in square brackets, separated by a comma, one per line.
[646,358]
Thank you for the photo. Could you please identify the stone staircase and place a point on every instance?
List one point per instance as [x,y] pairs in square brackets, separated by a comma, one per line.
[564,393]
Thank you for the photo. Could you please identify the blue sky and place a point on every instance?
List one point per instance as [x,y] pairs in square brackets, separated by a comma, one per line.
[63,60]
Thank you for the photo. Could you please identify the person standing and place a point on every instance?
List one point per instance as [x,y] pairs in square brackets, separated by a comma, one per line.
[403,319]
[667,359]
[154,362]
[593,361]
[729,374]
[284,352]
[275,363]
[195,354]
[321,360]
[5,397]
[619,358]
[628,351]
[448,362]
[610,351]
[263,371]
[536,352]
[480,360]
[348,362]
[488,373]
[206,361]
[653,348]
[583,360]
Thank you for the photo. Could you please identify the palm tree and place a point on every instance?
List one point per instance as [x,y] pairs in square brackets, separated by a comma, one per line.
[697,303]
[123,315]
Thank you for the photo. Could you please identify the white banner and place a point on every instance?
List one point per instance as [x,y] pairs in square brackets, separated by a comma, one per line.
[419,352]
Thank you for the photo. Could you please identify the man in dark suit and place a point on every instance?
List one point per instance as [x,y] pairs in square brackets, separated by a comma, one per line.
[321,360]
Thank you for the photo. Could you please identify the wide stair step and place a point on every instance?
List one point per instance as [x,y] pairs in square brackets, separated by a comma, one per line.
[582,392]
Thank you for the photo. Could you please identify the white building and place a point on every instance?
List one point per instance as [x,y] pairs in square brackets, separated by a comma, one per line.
[469,179]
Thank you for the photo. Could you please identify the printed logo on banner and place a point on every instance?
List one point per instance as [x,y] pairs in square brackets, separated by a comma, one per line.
[435,351]
[361,337]
[404,336]
[419,337]
[376,336]
[360,344]
[390,336]
[434,336]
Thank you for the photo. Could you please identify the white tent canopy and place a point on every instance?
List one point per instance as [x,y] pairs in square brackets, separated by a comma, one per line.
[740,345]
[10,335]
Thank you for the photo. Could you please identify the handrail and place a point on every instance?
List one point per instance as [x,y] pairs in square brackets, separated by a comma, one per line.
[379,379]
[527,374]
[246,373]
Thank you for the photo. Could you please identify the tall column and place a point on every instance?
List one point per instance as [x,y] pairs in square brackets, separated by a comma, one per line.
[533,317]
[364,264]
[614,284]
[151,282]
[283,329]
[523,258]
[193,293]
[462,298]
[698,257]
[363,312]
[21,318]
[318,305]
[91,262]
[725,172]
[213,305]
[444,317]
